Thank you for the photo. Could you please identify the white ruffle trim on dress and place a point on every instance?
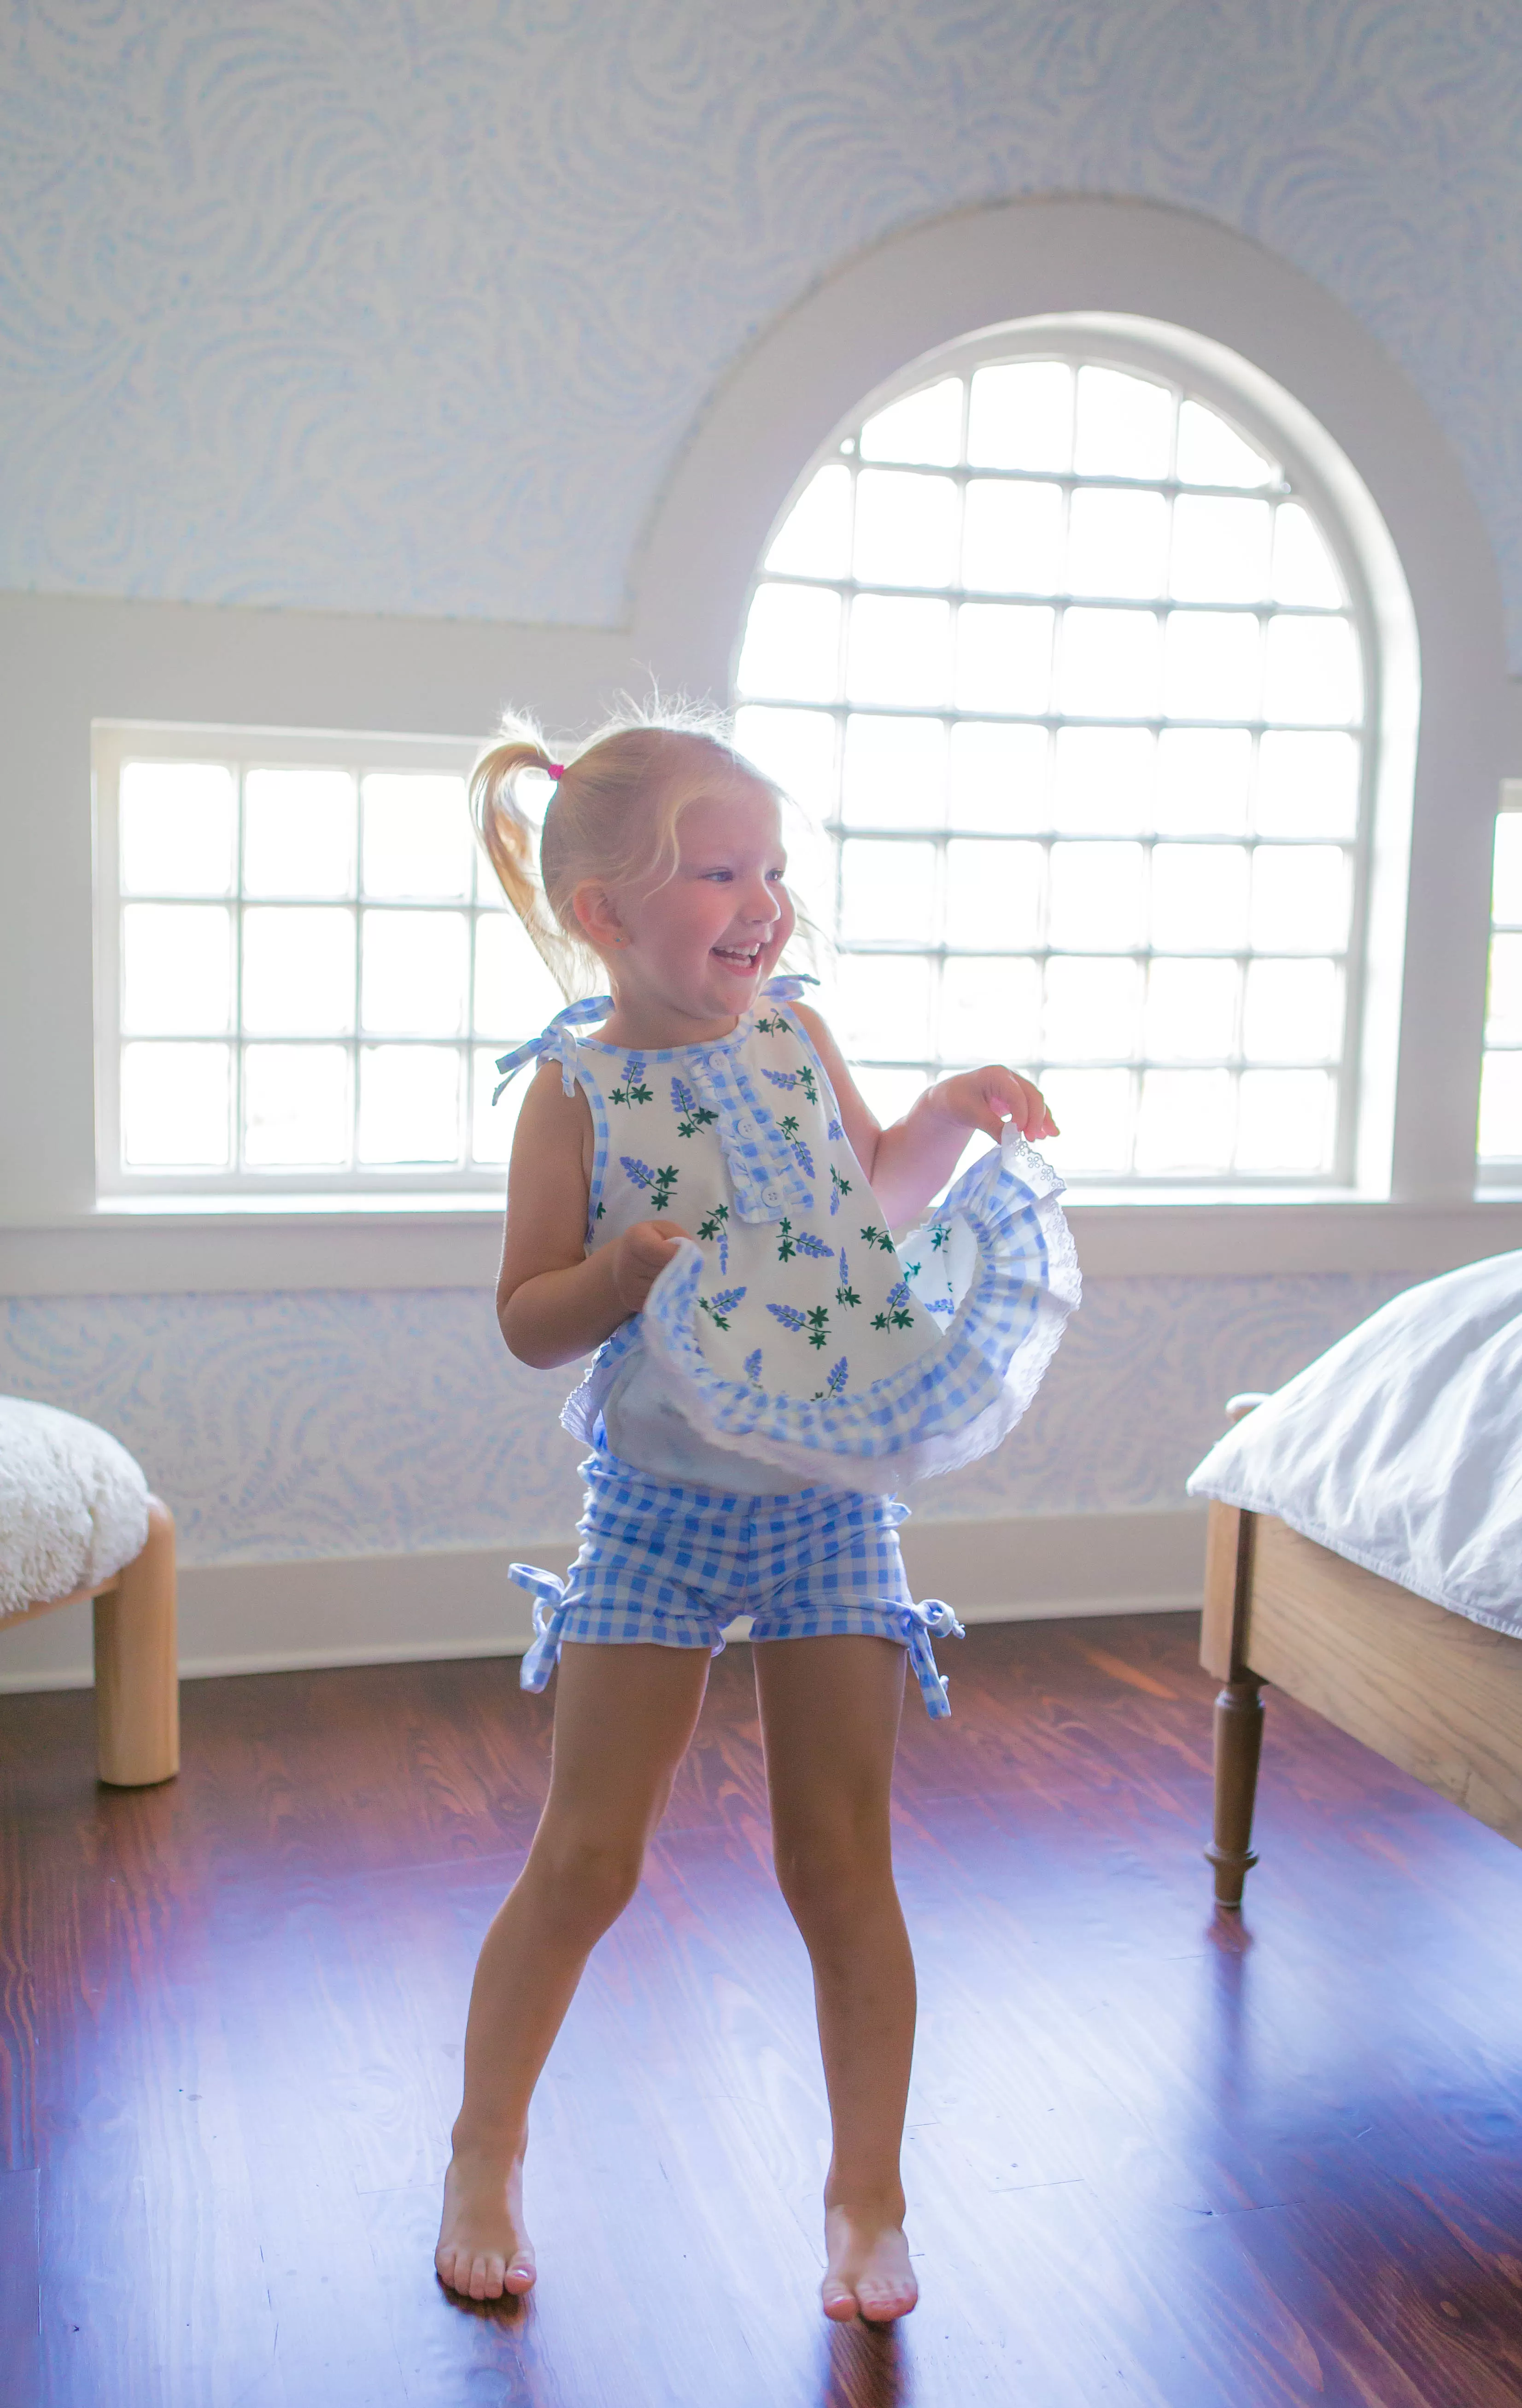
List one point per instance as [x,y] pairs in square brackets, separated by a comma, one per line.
[943,1409]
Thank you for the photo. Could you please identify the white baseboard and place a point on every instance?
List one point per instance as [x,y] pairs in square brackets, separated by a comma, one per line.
[456,1601]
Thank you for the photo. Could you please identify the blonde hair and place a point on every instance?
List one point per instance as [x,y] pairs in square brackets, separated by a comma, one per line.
[611,816]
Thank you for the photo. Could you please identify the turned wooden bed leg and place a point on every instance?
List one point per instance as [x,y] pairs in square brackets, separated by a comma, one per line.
[137,1665]
[1239,1738]
[1239,1706]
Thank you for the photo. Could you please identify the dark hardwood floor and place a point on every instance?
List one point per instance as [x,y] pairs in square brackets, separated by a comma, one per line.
[1153,2159]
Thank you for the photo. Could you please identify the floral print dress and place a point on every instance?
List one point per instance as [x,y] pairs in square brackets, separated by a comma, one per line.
[793,1329]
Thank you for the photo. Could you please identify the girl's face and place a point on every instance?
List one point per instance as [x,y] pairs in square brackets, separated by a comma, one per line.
[698,946]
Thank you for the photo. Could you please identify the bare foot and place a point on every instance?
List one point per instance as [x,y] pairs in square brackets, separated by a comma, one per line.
[867,2270]
[483,2250]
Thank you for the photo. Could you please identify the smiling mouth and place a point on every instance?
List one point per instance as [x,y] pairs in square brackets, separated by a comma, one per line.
[737,958]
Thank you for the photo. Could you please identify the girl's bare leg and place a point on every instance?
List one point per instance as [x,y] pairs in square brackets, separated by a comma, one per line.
[830,1719]
[623,1717]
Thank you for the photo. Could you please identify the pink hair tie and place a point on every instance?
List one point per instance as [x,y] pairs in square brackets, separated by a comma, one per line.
[555,769]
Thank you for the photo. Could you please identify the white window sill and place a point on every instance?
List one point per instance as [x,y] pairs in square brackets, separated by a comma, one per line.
[396,1204]
[231,1244]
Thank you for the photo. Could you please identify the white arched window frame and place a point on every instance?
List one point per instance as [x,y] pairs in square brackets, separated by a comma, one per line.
[1226,1097]
[1501,1079]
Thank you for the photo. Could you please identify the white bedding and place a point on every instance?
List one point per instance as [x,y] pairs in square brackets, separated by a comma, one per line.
[1400,1447]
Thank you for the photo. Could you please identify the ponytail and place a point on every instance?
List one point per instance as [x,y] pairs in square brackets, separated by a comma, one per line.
[511,843]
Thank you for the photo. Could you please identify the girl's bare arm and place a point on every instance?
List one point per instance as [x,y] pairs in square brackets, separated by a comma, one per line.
[910,1161]
[554,1300]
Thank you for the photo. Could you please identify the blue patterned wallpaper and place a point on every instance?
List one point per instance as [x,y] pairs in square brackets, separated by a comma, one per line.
[405,309]
[279,1427]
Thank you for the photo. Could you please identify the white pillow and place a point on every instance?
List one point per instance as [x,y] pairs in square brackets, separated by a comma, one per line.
[1400,1447]
[73,1505]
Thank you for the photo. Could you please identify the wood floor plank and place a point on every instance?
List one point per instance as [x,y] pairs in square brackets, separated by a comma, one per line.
[1153,2158]
[20,2289]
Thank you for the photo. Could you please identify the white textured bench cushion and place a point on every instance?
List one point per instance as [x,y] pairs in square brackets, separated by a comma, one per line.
[73,1505]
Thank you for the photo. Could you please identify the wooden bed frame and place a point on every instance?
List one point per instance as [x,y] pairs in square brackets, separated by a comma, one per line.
[136,1660]
[1438,1695]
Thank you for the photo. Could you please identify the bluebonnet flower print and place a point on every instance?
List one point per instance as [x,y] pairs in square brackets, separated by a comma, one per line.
[898,1315]
[800,1152]
[808,1244]
[788,1314]
[753,1364]
[661,1183]
[632,1090]
[690,1115]
[717,1224]
[718,1308]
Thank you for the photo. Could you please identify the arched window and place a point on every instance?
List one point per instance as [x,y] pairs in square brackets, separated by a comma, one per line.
[1070,657]
[1500,1081]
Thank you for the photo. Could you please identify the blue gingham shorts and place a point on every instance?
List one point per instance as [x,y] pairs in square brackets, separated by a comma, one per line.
[672,1567]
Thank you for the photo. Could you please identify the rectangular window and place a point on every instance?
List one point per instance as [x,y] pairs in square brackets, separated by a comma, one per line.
[305,967]
[1500,1076]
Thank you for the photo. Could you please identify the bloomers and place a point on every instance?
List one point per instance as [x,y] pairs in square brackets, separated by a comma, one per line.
[673,1567]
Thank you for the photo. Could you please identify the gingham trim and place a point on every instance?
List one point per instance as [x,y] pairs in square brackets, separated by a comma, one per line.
[760,1163]
[941,1410]
[558,1043]
[673,1567]
[555,1043]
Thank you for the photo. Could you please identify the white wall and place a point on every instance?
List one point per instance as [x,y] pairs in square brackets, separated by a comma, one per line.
[413,309]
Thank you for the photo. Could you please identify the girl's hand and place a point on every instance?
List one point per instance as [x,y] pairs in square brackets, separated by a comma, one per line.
[639,1257]
[985,1100]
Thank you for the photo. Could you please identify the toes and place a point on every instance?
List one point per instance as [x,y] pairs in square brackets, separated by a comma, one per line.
[883,2302]
[520,2278]
[839,2300]
[486,2278]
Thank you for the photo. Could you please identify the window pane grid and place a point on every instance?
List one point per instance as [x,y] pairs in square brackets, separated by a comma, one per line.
[1211,979]
[287,1012]
[1500,1146]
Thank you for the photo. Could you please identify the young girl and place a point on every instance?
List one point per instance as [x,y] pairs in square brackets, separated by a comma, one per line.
[698,1192]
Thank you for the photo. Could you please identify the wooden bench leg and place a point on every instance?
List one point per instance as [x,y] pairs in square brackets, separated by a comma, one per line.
[137,1665]
[1239,1738]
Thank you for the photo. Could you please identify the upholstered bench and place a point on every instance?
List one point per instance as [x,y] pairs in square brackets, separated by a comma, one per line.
[76,1521]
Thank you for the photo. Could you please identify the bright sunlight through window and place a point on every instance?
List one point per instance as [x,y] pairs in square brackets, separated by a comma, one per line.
[1065,664]
[1501,1079]
[312,969]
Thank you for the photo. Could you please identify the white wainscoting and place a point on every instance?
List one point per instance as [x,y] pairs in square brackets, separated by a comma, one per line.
[458,1601]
